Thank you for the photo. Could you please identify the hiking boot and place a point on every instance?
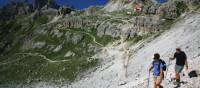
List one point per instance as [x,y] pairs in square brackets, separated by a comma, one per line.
[161,86]
[176,83]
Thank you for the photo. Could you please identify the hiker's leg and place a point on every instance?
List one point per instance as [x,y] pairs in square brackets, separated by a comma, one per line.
[159,81]
[177,70]
[155,86]
[158,85]
[177,77]
[155,80]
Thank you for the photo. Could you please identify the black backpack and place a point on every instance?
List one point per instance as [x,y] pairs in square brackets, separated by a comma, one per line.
[193,73]
[163,63]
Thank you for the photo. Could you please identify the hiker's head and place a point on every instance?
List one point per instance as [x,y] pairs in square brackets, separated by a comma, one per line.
[178,50]
[156,56]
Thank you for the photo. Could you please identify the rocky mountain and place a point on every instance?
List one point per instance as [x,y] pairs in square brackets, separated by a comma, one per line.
[99,47]
[116,5]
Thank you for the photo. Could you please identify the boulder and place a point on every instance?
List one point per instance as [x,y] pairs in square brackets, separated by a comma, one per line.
[76,38]
[58,48]
[69,53]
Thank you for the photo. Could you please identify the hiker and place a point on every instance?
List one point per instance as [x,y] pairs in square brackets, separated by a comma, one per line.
[158,71]
[181,60]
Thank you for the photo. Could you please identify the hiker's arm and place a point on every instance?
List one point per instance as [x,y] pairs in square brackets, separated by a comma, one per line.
[186,62]
[161,72]
[151,67]
[172,58]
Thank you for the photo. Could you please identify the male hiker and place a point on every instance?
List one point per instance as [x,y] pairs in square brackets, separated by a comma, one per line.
[181,60]
[158,72]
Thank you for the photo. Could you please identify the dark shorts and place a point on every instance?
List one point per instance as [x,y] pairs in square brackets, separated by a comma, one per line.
[178,68]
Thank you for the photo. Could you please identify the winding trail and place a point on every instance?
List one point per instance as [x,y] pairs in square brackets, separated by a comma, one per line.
[44,57]
[92,36]
[33,54]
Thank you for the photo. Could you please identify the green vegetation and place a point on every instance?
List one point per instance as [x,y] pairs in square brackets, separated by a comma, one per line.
[181,7]
[33,68]
[40,20]
[104,40]
[167,24]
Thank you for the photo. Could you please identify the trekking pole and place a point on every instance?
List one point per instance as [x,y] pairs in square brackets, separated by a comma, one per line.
[148,80]
[167,68]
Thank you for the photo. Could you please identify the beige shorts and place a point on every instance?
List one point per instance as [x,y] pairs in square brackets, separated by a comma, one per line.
[158,79]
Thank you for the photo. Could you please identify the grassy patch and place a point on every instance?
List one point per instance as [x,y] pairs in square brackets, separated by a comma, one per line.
[167,24]
[104,40]
[34,68]
[37,69]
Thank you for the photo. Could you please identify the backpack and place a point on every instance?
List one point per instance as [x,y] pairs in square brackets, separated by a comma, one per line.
[193,74]
[163,63]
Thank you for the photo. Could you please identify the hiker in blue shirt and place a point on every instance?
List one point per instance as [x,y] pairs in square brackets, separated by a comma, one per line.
[158,72]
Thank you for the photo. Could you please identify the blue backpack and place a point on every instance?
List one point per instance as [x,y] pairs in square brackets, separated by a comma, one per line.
[163,64]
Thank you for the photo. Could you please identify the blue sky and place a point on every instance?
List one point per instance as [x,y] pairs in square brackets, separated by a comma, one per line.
[78,4]
[3,2]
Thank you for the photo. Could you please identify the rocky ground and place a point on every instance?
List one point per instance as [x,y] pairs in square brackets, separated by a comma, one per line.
[184,34]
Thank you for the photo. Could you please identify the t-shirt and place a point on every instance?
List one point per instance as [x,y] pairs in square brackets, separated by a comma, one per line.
[180,58]
[157,66]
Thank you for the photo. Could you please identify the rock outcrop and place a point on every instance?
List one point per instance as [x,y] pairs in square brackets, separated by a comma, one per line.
[75,22]
[116,5]
[138,25]
[91,10]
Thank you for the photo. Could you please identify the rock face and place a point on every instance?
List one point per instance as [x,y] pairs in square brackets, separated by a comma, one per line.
[139,25]
[91,10]
[56,33]
[108,29]
[146,24]
[58,48]
[64,10]
[151,22]
[76,38]
[31,44]
[75,22]
[116,5]
[69,53]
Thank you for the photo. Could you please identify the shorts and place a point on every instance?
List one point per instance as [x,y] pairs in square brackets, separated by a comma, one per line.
[178,68]
[158,79]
